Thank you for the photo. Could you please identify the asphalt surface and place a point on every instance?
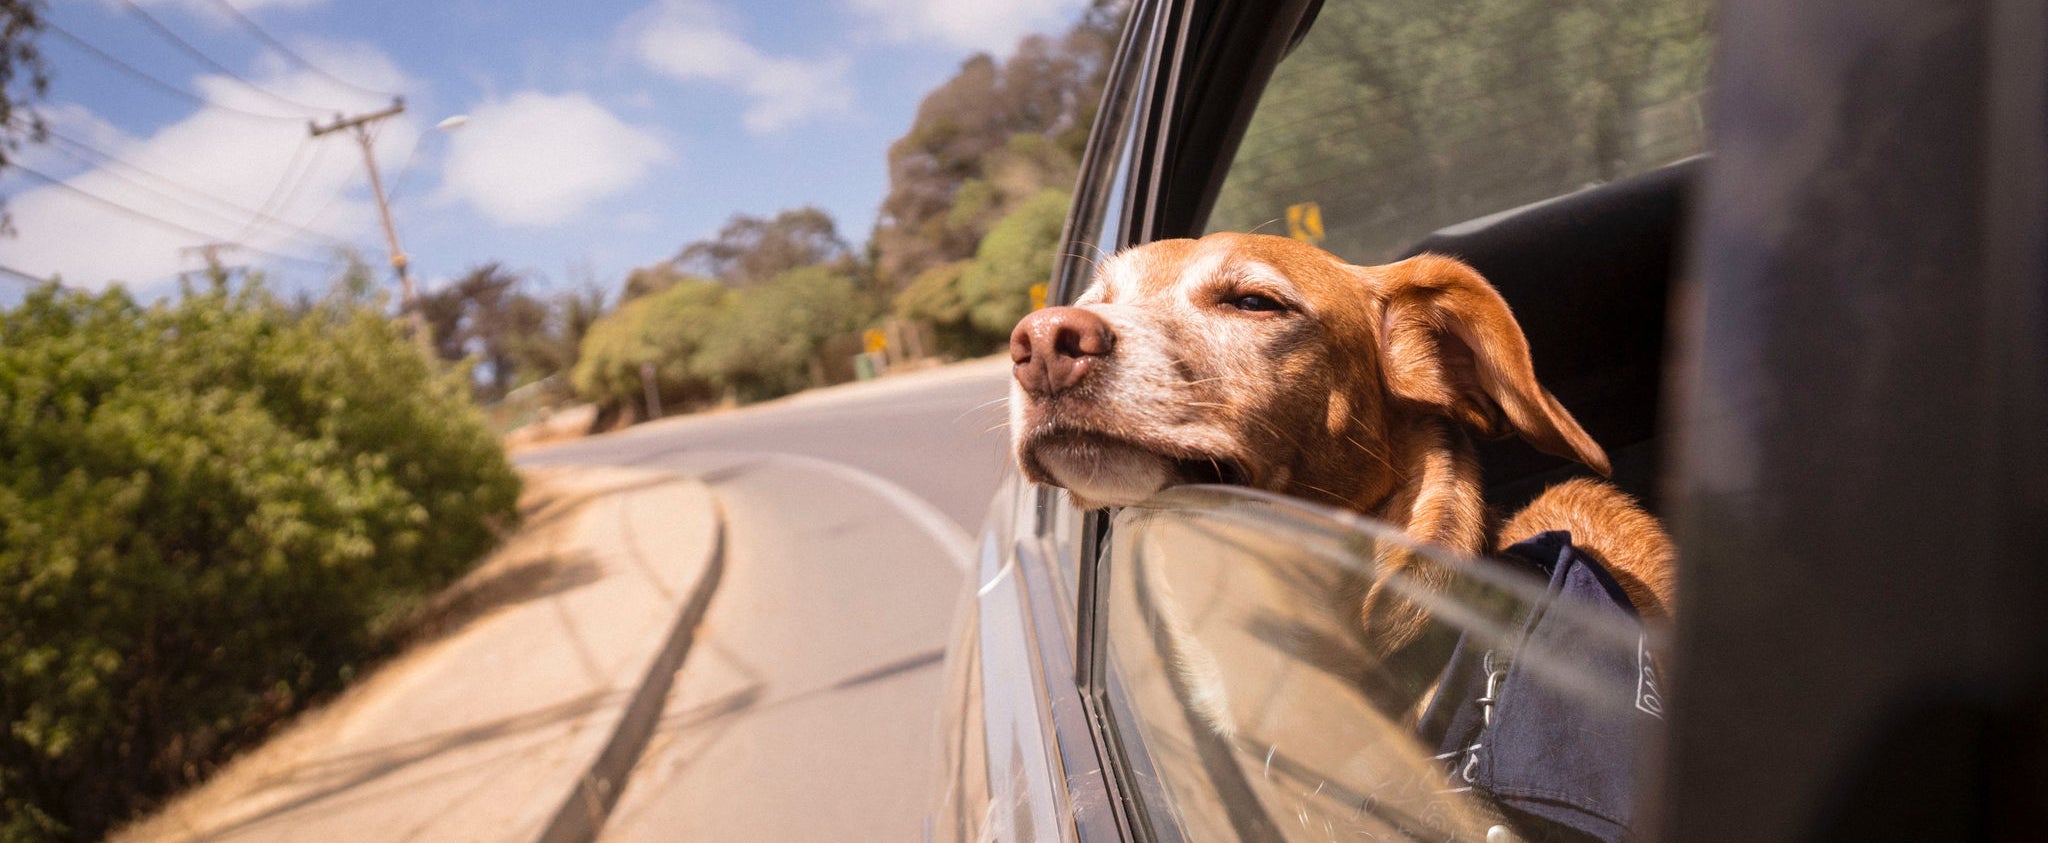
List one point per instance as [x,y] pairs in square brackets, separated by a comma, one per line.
[807,707]
[938,435]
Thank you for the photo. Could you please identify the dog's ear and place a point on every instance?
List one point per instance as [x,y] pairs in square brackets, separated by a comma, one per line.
[1449,344]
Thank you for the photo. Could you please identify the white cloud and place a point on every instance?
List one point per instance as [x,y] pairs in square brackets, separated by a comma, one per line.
[693,42]
[72,121]
[207,173]
[537,159]
[991,26]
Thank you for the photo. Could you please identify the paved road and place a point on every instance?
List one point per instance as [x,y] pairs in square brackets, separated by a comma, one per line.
[805,711]
[938,435]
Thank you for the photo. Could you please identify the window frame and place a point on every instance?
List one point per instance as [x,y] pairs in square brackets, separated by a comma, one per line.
[1206,64]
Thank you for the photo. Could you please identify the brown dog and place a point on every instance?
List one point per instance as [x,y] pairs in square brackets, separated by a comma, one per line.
[1266,362]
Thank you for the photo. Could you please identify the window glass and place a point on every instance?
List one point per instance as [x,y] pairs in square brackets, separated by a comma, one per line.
[1234,629]
[1235,620]
[1394,118]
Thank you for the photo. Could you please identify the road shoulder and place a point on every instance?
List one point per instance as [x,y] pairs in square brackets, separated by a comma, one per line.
[527,685]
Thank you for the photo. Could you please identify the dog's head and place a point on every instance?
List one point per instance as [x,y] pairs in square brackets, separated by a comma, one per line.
[1266,362]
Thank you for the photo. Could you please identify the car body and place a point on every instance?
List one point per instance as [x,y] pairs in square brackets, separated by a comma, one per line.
[1182,669]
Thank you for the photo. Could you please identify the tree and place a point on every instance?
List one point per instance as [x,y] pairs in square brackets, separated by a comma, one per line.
[556,346]
[664,329]
[1018,253]
[485,315]
[651,279]
[973,304]
[767,343]
[988,140]
[24,76]
[750,250]
[934,299]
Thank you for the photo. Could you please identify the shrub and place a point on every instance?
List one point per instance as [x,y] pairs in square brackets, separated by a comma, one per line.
[208,511]
[1016,254]
[664,328]
[767,343]
[934,299]
[972,305]
[759,342]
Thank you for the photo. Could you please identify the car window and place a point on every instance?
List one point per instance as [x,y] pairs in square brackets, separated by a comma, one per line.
[1232,618]
[1233,630]
[1395,118]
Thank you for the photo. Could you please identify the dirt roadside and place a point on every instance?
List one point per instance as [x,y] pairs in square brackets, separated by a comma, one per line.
[514,683]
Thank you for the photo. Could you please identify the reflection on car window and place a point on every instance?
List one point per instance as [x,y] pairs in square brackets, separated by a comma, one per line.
[1233,627]
[1394,118]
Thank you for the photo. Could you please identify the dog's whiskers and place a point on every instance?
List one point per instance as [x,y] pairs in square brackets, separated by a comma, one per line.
[1376,455]
[1314,488]
[980,407]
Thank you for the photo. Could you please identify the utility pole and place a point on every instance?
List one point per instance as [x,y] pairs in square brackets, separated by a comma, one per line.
[212,252]
[358,127]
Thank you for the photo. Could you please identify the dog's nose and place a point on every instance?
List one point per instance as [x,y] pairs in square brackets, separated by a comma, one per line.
[1056,347]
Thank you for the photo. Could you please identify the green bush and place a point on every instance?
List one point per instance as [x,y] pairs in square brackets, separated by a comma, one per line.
[972,305]
[664,328]
[767,342]
[209,511]
[705,340]
[1016,254]
[934,299]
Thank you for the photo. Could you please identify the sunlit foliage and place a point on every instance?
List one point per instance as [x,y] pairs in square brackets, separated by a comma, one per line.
[210,510]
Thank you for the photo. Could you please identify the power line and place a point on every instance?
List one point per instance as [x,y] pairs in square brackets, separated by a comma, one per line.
[152,218]
[154,82]
[200,56]
[291,166]
[84,151]
[282,197]
[279,46]
[247,226]
[332,200]
[25,276]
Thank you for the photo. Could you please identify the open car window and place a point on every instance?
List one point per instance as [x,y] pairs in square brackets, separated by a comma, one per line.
[1233,631]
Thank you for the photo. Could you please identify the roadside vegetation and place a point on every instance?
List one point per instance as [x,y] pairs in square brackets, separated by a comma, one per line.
[211,511]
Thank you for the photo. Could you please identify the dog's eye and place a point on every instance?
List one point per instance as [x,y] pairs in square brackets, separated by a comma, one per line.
[1256,302]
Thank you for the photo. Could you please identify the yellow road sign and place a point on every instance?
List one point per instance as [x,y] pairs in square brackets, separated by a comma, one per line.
[874,341]
[1305,222]
[1038,295]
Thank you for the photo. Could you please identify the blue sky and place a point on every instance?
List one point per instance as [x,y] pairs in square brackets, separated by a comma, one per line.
[601,135]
